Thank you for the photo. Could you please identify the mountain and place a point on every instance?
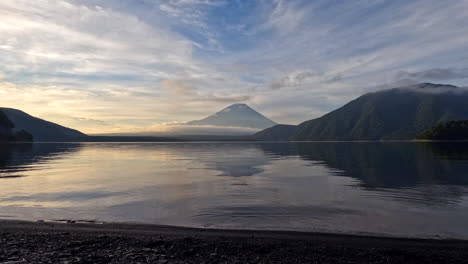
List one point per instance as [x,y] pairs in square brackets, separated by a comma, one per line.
[236,115]
[41,130]
[450,130]
[395,114]
[6,127]
[276,133]
[7,132]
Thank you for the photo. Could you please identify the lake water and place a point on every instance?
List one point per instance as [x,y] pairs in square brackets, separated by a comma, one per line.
[398,189]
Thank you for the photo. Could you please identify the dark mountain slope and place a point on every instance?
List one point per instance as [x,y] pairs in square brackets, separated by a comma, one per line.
[395,114]
[236,115]
[40,129]
[6,127]
[8,133]
[276,133]
[450,130]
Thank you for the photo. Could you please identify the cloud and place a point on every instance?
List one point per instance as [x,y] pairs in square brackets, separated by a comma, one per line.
[193,13]
[187,90]
[198,2]
[96,63]
[84,119]
[179,87]
[304,78]
[144,62]
[62,37]
[434,74]
[178,129]
[293,80]
[435,88]
[227,99]
[282,16]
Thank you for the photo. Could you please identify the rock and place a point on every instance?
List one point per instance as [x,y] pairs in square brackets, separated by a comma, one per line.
[14,262]
[189,252]
[155,243]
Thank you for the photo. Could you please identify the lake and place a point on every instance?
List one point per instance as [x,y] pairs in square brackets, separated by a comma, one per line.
[394,188]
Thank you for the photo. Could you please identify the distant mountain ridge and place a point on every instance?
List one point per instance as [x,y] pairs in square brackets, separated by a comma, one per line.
[395,114]
[41,130]
[236,115]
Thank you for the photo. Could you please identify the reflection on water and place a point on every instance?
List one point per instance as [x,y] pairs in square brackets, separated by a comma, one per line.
[16,158]
[405,189]
[387,165]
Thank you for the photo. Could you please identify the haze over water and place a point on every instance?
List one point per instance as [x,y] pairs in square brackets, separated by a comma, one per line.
[402,189]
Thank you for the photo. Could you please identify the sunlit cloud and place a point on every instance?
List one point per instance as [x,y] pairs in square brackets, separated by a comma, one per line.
[106,65]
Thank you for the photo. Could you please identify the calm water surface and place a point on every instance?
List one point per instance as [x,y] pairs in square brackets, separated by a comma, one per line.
[401,189]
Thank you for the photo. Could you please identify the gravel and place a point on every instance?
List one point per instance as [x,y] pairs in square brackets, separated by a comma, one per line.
[26,242]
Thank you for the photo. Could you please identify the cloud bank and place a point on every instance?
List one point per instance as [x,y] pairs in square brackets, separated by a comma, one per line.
[176,129]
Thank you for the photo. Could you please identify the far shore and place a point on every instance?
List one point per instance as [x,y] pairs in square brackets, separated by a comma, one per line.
[223,140]
[50,242]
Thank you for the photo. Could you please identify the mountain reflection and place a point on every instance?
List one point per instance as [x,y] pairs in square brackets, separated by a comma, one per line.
[235,160]
[386,165]
[229,159]
[17,158]
[374,164]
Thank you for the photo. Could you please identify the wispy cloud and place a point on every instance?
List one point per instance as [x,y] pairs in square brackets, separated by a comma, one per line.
[283,16]
[116,64]
[435,74]
[62,37]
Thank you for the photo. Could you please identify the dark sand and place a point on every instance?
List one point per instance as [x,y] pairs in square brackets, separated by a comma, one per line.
[26,242]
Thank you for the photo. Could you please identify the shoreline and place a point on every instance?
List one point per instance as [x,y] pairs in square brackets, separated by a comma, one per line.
[26,242]
[147,228]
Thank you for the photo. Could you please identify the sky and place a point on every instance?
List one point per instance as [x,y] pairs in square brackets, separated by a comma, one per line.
[105,66]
